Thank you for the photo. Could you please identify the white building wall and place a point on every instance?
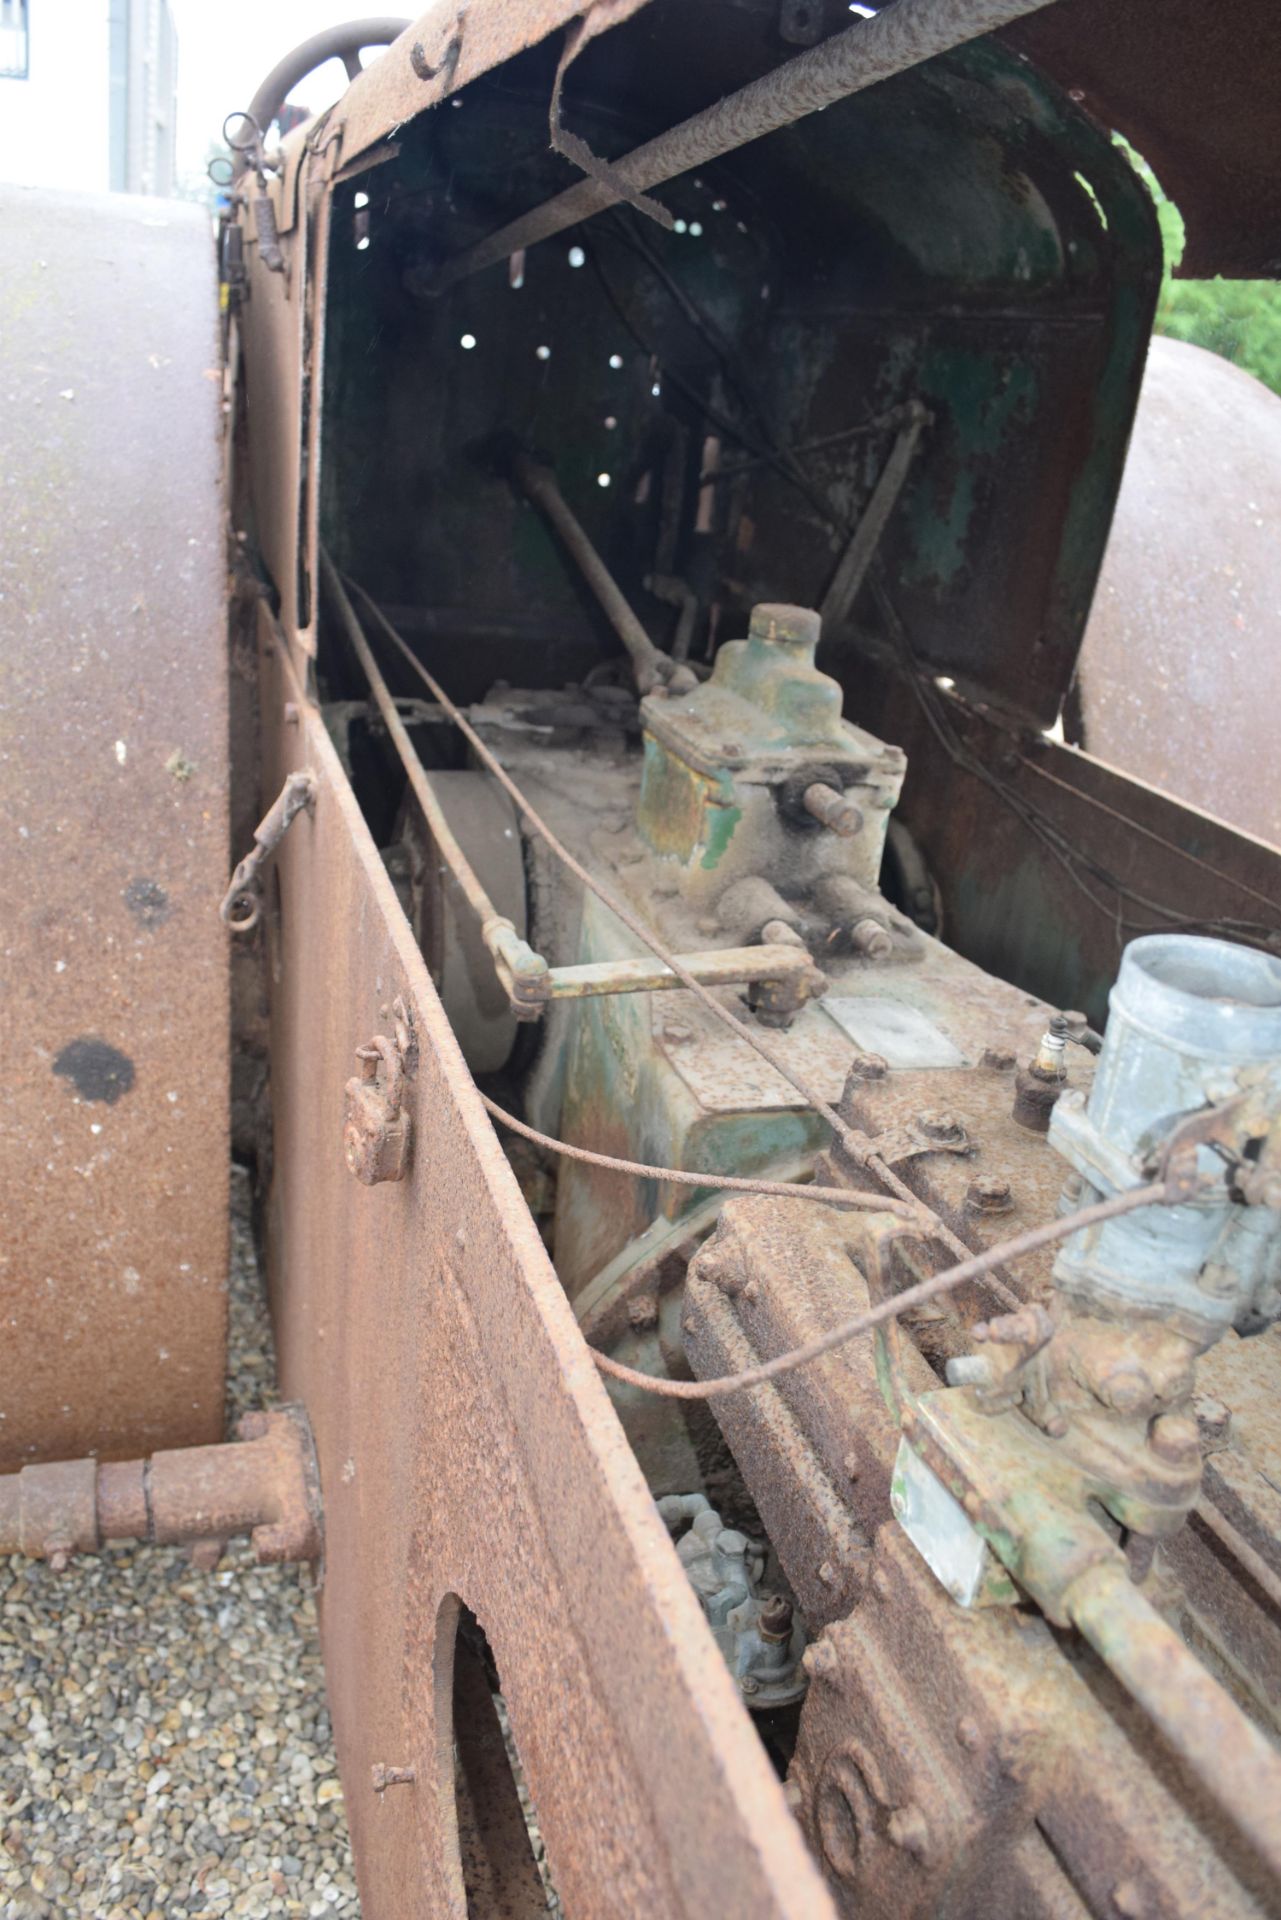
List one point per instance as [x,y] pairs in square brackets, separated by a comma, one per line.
[99,103]
[54,124]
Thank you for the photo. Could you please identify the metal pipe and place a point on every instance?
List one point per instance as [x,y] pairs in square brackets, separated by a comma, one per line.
[899,37]
[265,1484]
[650,664]
[1238,1767]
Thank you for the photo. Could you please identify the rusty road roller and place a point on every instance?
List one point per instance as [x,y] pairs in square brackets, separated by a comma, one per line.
[532,684]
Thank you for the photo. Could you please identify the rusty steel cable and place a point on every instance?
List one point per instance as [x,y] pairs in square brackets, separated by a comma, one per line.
[851,1197]
[974,1268]
[857,1144]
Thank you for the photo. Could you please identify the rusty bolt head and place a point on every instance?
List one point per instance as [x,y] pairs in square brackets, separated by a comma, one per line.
[969,1733]
[57,1558]
[999,1059]
[819,1659]
[1214,1422]
[677,1033]
[1175,1440]
[775,1619]
[749,1684]
[937,1124]
[989,1194]
[1129,1900]
[828,1574]
[881,1582]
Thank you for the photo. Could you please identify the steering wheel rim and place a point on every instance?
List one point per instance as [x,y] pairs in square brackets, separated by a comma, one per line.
[345,43]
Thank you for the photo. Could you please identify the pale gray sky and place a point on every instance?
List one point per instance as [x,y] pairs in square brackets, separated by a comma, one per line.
[225,50]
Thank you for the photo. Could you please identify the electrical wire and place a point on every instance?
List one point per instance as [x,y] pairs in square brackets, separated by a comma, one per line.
[853,1198]
[974,1268]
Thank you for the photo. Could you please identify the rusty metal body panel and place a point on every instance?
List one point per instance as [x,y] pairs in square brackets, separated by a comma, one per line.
[468,1449]
[1179,676]
[114,766]
[1198,92]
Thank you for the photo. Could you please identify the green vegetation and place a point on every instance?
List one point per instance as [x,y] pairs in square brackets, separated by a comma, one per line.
[1238,319]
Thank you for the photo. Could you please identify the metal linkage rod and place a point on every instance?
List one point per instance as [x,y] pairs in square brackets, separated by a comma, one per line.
[511,955]
[1235,1763]
[899,37]
[852,569]
[651,666]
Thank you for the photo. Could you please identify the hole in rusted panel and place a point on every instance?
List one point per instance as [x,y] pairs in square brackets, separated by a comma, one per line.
[492,1839]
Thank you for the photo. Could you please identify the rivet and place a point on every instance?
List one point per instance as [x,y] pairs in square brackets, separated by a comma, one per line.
[852,1465]
[881,1582]
[828,1574]
[968,1733]
[1128,1898]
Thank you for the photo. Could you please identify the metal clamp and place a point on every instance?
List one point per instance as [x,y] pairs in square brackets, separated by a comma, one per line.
[241,908]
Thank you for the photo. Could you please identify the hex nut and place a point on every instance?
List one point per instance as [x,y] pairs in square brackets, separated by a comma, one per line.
[989,1194]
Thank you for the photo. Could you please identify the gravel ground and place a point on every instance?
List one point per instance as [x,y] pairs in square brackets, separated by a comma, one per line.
[165,1752]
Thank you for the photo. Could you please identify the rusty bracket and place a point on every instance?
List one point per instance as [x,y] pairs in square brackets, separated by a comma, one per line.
[241,908]
[1227,1124]
[376,1130]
